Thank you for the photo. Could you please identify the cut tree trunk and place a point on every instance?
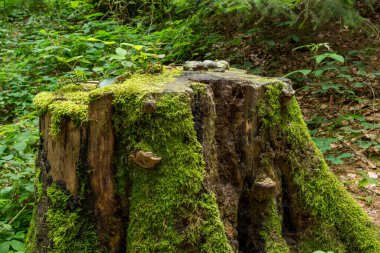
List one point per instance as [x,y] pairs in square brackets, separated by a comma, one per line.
[187,162]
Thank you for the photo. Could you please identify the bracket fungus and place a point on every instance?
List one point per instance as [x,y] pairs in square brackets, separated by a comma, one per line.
[145,159]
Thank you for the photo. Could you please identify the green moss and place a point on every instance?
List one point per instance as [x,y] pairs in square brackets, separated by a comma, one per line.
[198,88]
[69,227]
[321,236]
[61,108]
[141,83]
[30,240]
[269,109]
[170,210]
[38,185]
[272,232]
[320,194]
[31,236]
[71,101]
[42,101]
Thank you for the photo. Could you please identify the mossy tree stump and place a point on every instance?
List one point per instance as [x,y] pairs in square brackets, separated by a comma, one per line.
[187,162]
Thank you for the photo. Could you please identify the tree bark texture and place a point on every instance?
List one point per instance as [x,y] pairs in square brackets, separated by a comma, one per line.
[202,162]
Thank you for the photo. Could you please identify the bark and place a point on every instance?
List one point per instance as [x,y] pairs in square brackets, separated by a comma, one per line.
[208,162]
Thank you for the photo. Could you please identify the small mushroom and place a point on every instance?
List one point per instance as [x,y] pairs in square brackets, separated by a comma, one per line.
[149,107]
[287,94]
[266,183]
[264,188]
[145,159]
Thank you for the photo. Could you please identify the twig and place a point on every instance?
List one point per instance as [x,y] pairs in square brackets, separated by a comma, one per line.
[361,156]
[14,218]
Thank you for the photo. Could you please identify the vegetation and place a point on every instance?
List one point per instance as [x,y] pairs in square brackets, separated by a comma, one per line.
[48,44]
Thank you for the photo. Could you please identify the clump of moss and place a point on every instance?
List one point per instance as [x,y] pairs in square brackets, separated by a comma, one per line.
[272,232]
[269,109]
[322,196]
[42,101]
[143,83]
[198,88]
[170,210]
[71,101]
[321,236]
[69,227]
[38,185]
[30,240]
[62,106]
[61,110]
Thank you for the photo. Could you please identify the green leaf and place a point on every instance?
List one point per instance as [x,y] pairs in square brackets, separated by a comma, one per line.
[20,146]
[334,160]
[2,148]
[116,57]
[137,47]
[74,4]
[121,52]
[4,247]
[8,157]
[321,57]
[304,72]
[29,187]
[324,143]
[366,144]
[345,155]
[98,69]
[366,180]
[6,190]
[17,245]
[19,235]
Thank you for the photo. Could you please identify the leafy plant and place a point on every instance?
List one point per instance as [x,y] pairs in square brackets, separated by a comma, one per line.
[366,180]
[339,158]
[17,148]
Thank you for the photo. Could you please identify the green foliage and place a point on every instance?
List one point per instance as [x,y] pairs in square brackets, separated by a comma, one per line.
[366,180]
[17,146]
[333,76]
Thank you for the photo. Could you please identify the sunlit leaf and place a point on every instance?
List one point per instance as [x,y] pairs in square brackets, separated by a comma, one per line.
[121,52]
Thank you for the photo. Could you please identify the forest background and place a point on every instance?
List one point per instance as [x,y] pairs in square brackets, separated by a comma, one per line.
[330,49]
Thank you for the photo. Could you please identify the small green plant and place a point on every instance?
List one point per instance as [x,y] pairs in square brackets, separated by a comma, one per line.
[366,180]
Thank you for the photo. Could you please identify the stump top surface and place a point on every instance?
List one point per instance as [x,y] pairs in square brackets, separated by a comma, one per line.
[71,101]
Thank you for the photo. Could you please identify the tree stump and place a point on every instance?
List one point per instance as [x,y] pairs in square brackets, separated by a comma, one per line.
[189,161]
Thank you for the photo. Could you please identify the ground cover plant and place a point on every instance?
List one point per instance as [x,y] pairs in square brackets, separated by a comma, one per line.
[47,44]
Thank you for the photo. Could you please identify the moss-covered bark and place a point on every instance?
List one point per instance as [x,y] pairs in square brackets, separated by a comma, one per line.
[336,216]
[229,166]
